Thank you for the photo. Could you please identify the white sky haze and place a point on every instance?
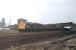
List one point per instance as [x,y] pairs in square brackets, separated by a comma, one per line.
[40,11]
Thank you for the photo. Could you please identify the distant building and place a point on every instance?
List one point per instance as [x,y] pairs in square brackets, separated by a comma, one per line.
[2,23]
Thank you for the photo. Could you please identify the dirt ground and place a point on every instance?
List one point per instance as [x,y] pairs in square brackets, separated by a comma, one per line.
[70,44]
[42,45]
[46,45]
[18,40]
[30,41]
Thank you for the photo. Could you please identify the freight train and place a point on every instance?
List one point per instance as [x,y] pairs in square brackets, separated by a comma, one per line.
[24,27]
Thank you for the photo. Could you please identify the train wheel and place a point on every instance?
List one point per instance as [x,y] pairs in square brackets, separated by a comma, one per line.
[19,30]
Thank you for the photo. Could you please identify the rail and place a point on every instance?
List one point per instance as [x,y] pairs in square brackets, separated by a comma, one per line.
[59,44]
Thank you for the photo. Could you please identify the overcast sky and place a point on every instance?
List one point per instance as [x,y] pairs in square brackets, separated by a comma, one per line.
[40,11]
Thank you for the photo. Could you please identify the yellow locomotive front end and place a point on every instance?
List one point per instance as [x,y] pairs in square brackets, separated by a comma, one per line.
[22,25]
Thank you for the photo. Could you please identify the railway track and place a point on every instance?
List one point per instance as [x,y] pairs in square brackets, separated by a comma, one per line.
[53,44]
[20,39]
[59,44]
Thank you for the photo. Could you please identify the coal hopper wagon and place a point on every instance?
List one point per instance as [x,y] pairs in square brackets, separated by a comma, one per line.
[24,27]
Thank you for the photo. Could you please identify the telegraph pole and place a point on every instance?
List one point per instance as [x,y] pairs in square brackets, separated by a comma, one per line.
[10,20]
[69,19]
